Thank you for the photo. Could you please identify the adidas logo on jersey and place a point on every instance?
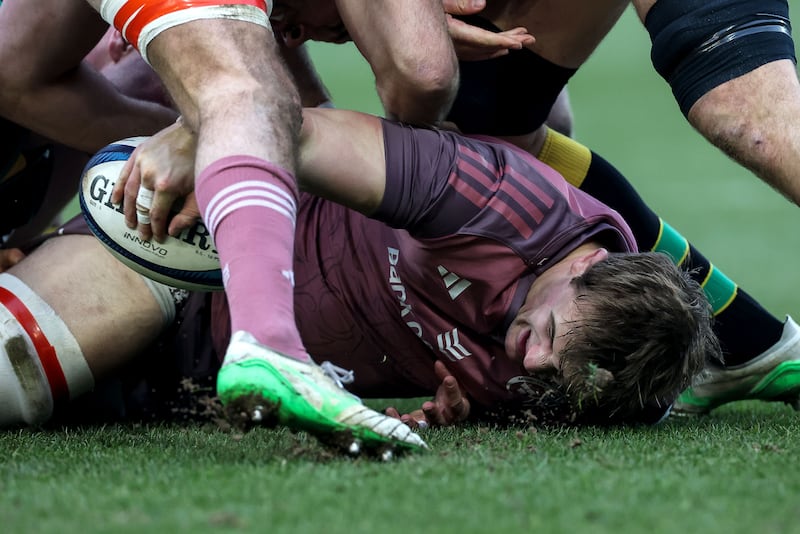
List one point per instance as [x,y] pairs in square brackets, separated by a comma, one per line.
[451,346]
[454,284]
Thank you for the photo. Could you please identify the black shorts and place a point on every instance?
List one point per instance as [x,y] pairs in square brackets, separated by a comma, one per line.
[507,95]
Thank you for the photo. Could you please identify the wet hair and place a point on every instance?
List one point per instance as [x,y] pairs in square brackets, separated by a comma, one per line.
[644,332]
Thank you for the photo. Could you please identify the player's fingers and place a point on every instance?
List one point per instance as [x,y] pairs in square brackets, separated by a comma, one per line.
[456,404]
[441,370]
[118,191]
[452,391]
[520,33]
[391,411]
[513,41]
[435,414]
[9,258]
[131,190]
[417,415]
[159,214]
[464,34]
[186,217]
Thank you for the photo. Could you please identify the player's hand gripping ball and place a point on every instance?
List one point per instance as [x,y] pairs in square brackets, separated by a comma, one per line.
[188,261]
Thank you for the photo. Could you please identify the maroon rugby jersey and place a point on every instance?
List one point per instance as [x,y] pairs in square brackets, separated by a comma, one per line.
[480,220]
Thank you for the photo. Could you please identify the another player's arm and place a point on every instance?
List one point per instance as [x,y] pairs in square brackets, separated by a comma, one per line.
[410,52]
[46,86]
[310,86]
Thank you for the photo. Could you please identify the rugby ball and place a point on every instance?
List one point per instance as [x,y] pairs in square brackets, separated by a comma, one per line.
[189,261]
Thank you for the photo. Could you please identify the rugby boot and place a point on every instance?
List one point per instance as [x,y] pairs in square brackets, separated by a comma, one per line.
[773,375]
[302,396]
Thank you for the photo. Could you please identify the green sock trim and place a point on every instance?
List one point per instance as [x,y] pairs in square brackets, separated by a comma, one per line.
[672,243]
[719,289]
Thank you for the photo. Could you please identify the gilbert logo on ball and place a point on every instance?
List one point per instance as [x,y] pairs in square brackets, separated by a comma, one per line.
[188,261]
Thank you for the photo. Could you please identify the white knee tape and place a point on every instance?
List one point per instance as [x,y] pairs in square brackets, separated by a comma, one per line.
[25,395]
[40,360]
[168,298]
[139,29]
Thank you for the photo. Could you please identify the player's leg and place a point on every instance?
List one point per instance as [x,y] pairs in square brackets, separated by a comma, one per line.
[733,75]
[221,65]
[71,315]
[755,119]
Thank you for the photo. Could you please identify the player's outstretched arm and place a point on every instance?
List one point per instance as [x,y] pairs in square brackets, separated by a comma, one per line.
[341,158]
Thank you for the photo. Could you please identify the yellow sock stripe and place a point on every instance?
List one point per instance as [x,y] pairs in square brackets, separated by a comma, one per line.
[18,166]
[570,158]
[719,289]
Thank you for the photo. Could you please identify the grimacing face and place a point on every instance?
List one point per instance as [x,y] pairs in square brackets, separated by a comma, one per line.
[540,330]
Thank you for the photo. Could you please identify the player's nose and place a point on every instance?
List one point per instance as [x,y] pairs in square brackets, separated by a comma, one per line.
[540,360]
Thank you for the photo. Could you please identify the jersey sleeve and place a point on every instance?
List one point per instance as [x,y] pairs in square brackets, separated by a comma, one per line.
[439,183]
[418,196]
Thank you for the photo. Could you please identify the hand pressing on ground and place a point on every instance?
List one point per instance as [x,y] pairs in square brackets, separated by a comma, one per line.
[449,406]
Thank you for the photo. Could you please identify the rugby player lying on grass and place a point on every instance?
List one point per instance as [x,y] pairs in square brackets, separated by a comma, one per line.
[431,247]
[760,349]
[732,68]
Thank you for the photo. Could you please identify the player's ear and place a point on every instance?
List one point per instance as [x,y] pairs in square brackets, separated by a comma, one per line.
[584,261]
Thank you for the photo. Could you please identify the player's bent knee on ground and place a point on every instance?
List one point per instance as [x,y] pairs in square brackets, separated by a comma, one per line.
[40,360]
[56,336]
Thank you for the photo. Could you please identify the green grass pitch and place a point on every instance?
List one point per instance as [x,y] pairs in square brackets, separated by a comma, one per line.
[733,472]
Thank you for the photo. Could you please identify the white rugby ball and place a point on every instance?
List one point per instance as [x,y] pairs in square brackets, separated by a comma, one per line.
[189,261]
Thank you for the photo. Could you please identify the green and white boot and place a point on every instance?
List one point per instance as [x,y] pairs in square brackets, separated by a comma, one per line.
[270,386]
[771,376]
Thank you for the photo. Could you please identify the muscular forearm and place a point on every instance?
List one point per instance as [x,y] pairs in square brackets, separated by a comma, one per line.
[411,102]
[46,87]
[411,54]
[84,111]
[310,86]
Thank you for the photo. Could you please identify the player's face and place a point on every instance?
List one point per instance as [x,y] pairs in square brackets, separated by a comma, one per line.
[542,326]
[315,20]
[539,331]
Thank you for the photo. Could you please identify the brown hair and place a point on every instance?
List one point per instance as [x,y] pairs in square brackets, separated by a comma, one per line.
[645,331]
